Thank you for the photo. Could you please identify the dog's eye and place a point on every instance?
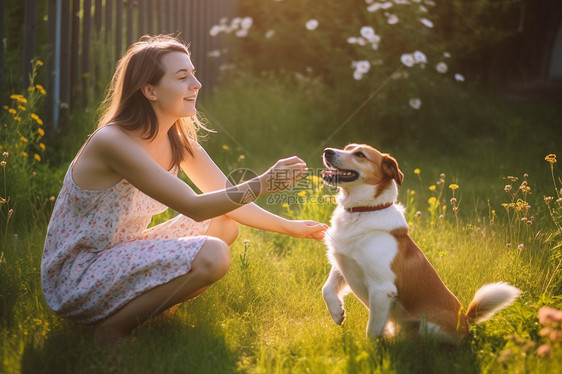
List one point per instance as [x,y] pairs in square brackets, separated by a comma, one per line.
[360,154]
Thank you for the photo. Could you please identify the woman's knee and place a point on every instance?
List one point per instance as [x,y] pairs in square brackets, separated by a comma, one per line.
[224,228]
[213,259]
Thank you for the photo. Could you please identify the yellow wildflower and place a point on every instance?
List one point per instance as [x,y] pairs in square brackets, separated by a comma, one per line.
[39,63]
[24,154]
[432,188]
[302,193]
[36,118]
[41,89]
[432,200]
[413,192]
[551,158]
[12,111]
[225,147]
[37,157]
[23,139]
[41,132]
[6,107]
[417,171]
[21,107]
[42,146]
[453,186]
[31,88]
[285,205]
[444,207]
[17,118]
[19,98]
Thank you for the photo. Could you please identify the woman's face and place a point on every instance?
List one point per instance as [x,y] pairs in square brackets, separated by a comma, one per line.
[176,93]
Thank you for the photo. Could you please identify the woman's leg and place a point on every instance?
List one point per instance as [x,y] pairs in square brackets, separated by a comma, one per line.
[223,228]
[210,265]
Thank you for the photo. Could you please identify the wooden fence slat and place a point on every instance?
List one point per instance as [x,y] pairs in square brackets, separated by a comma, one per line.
[29,32]
[75,50]
[98,15]
[142,18]
[65,61]
[130,24]
[86,46]
[119,29]
[187,11]
[162,27]
[1,49]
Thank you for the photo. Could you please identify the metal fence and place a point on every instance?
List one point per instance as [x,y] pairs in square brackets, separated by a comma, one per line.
[85,36]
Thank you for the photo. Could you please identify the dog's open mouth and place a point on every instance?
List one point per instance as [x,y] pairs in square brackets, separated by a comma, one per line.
[335,176]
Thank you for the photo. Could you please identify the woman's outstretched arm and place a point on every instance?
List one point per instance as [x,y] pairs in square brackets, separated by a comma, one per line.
[207,176]
[129,160]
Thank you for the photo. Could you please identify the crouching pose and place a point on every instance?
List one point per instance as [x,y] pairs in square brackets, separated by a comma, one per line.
[100,264]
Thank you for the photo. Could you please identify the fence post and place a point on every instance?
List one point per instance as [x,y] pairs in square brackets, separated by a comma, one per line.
[130,23]
[64,101]
[57,65]
[74,51]
[29,31]
[86,43]
[119,29]
[1,49]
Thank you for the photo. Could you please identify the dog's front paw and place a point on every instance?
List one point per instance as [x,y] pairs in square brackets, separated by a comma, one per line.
[338,316]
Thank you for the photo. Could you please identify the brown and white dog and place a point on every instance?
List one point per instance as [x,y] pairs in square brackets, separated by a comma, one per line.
[373,255]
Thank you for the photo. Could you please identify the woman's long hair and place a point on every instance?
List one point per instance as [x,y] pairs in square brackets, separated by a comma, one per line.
[126,106]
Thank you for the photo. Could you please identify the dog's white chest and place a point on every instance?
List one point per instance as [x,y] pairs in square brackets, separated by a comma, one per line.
[360,248]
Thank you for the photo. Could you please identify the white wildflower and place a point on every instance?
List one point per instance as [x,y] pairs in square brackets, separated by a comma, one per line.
[357,75]
[374,7]
[241,33]
[235,22]
[246,22]
[363,66]
[352,40]
[361,41]
[392,19]
[215,30]
[269,34]
[459,77]
[441,67]
[430,2]
[419,57]
[415,103]
[367,32]
[446,54]
[408,60]
[386,5]
[311,24]
[427,22]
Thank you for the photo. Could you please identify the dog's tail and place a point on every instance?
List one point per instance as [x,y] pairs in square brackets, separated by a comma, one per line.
[489,299]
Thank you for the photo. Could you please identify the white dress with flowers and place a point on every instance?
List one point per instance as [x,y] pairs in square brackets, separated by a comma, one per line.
[99,254]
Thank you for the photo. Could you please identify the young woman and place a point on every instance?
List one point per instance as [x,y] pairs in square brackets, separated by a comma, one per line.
[101,265]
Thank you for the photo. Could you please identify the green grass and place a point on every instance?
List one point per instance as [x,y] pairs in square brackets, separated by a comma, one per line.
[267,314]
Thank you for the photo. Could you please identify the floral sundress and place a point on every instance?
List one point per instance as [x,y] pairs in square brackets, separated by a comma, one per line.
[99,254]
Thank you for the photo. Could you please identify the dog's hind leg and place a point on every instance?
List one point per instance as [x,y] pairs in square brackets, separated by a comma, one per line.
[381,299]
[332,292]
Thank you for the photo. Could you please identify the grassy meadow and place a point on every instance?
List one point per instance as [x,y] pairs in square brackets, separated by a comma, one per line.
[267,314]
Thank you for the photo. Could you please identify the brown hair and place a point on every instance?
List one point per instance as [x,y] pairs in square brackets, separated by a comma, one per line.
[126,106]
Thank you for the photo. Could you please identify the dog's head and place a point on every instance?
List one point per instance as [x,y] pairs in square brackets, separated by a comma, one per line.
[360,164]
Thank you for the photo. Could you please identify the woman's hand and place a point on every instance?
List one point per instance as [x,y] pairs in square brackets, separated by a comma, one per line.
[284,174]
[306,229]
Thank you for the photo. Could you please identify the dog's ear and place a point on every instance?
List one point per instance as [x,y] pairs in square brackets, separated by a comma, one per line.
[390,168]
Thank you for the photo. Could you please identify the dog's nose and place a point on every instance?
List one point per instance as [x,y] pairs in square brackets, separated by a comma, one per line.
[329,152]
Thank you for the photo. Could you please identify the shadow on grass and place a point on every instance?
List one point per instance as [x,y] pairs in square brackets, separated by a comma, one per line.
[158,348]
